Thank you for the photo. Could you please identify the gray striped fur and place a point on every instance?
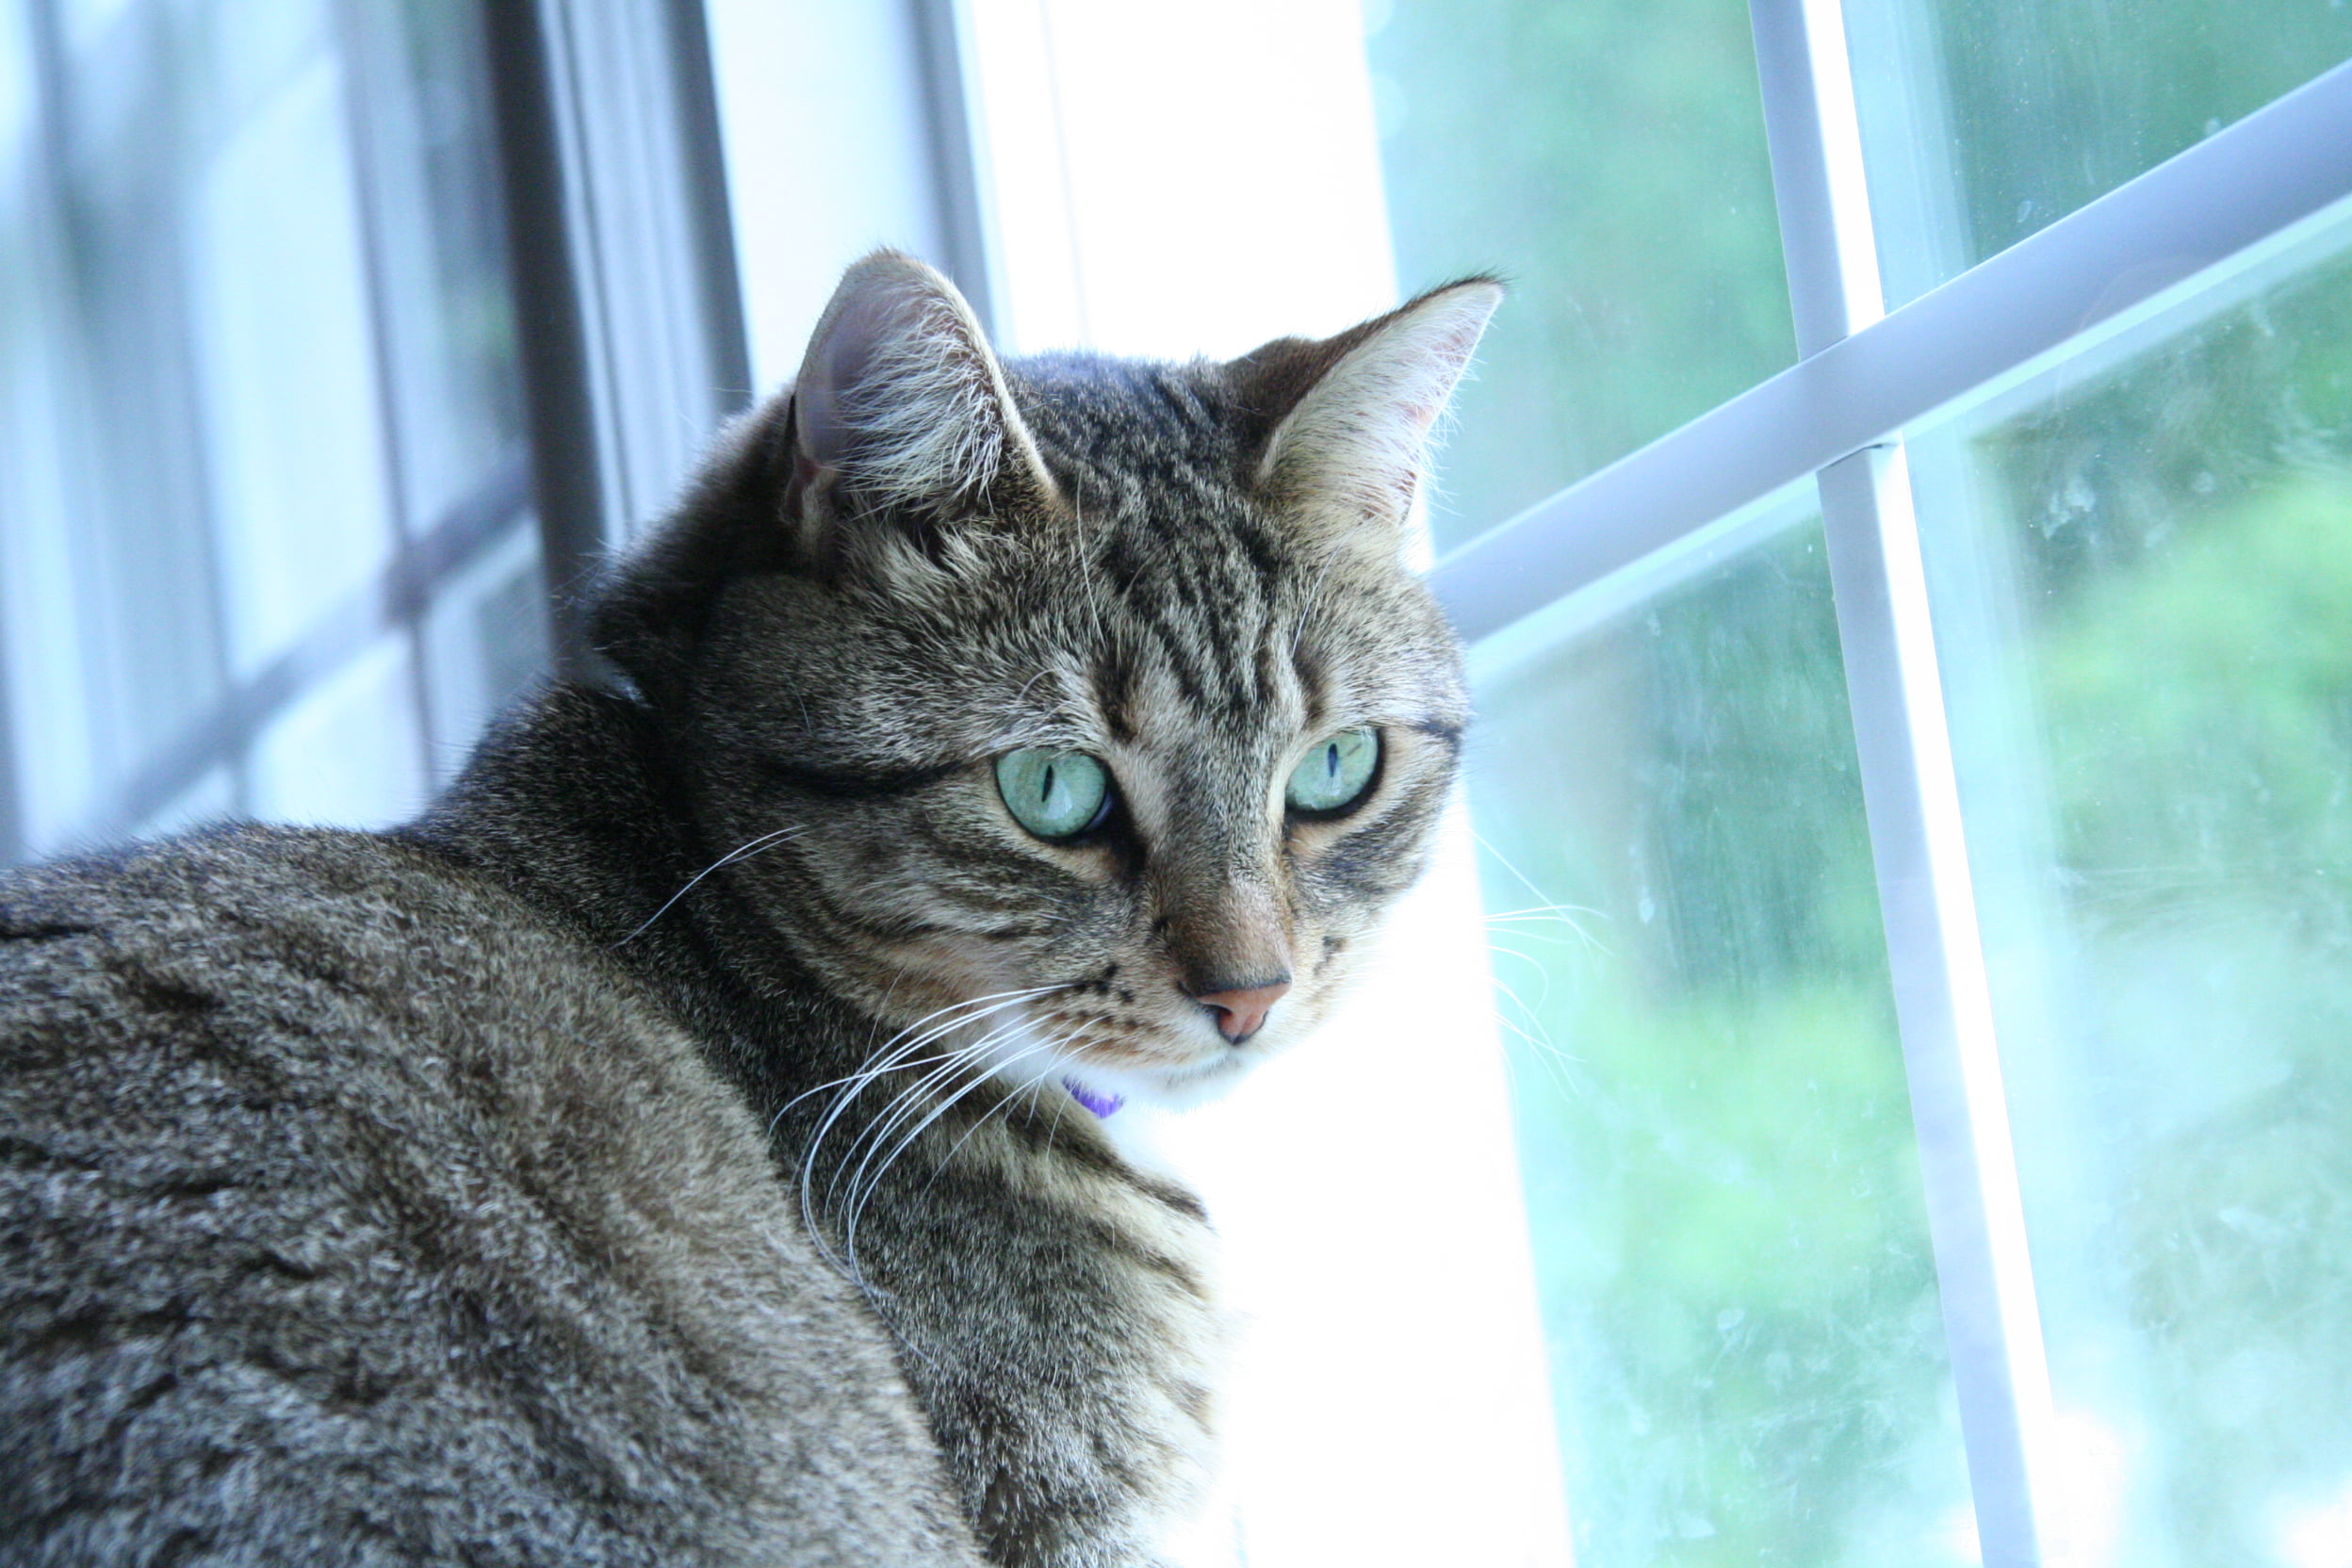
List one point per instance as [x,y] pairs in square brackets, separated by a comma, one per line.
[505,1189]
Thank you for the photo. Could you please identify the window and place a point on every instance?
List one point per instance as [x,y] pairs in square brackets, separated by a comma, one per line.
[2138,561]
[2081,505]
[1628,193]
[264,532]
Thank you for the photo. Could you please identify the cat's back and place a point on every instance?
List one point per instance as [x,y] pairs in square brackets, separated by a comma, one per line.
[351,1211]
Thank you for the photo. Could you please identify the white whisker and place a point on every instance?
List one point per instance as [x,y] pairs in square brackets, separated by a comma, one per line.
[1044,1072]
[765,841]
[857,1203]
[897,1055]
[906,1104]
[871,1067]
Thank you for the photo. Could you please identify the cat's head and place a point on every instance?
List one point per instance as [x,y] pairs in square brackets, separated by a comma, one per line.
[1083,703]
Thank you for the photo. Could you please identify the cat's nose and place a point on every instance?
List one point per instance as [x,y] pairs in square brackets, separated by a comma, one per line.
[1241,1010]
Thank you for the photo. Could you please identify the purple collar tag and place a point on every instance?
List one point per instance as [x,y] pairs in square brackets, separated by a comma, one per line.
[1101,1105]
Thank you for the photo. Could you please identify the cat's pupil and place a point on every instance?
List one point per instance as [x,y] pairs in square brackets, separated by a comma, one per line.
[1045,790]
[1330,760]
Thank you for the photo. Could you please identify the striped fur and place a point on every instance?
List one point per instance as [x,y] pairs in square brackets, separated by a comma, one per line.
[885,1294]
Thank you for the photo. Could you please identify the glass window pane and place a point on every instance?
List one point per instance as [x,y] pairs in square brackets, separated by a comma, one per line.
[2142,569]
[485,640]
[255,338]
[1609,157]
[1731,1245]
[111,593]
[1986,120]
[428,163]
[211,798]
[286,367]
[346,754]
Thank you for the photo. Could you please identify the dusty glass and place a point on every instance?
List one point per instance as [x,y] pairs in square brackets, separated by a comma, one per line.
[1747,1348]
[2141,562]
[1608,158]
[1986,120]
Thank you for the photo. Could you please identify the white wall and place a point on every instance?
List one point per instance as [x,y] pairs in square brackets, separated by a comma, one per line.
[1174,180]
[828,155]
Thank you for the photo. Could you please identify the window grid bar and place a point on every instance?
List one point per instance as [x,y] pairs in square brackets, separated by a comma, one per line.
[396,600]
[2244,183]
[1829,245]
[1918,846]
[1943,1003]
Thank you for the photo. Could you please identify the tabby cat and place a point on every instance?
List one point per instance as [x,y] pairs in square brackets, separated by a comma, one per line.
[696,1140]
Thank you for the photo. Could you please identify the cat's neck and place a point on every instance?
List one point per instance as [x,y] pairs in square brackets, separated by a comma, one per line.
[573,806]
[566,804]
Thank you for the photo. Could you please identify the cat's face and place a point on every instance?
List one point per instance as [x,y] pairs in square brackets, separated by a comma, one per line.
[1108,759]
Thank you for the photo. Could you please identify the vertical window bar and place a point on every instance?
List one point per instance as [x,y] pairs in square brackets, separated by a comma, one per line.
[1942,996]
[567,486]
[1815,138]
[626,295]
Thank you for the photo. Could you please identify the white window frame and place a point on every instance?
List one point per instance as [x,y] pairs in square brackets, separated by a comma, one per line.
[1862,376]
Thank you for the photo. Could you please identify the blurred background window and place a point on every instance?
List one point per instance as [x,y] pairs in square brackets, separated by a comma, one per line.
[265,542]
[2141,559]
[1746,1346]
[1907,1128]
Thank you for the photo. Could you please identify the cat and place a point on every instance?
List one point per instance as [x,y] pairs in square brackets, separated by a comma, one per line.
[696,1138]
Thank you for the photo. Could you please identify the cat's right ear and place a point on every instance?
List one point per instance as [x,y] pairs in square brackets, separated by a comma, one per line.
[902,425]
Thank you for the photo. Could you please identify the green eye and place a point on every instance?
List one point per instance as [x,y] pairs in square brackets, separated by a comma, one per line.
[1055,794]
[1336,772]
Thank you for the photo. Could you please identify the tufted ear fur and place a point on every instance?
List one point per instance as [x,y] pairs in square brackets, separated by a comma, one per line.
[901,414]
[1352,413]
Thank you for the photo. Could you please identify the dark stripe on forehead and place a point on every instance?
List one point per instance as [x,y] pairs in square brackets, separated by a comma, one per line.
[1313,681]
[1269,668]
[1175,631]
[1254,654]
[1172,607]
[1234,633]
[1115,695]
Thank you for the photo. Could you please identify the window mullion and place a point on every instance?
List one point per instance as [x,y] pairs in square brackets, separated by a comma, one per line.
[626,296]
[1903,740]
[1815,139]
[1943,1003]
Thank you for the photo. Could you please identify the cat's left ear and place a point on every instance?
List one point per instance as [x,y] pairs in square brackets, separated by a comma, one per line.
[1352,414]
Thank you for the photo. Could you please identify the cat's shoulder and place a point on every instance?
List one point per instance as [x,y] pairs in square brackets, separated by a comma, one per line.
[321,1151]
[338,985]
[324,914]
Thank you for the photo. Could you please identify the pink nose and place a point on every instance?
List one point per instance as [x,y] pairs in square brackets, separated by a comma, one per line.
[1242,1013]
